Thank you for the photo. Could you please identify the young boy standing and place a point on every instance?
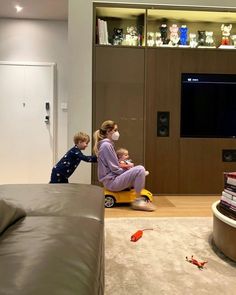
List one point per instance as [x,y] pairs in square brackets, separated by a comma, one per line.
[71,160]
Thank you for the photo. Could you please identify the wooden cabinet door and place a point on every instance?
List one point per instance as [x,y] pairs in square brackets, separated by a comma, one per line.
[118,95]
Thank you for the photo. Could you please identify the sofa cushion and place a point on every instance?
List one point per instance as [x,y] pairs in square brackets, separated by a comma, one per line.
[57,199]
[9,213]
[52,255]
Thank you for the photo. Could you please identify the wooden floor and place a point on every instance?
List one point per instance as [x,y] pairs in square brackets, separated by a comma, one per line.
[169,206]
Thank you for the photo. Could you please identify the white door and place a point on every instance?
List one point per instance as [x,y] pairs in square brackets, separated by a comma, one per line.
[26,123]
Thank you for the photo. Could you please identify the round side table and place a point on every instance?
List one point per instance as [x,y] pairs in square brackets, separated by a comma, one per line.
[224,232]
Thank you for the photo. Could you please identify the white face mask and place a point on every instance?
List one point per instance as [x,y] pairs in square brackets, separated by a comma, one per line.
[115,135]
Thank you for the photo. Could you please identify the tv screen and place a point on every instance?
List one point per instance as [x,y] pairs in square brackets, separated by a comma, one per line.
[208,105]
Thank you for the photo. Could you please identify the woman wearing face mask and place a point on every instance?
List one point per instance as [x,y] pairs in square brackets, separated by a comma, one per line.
[110,174]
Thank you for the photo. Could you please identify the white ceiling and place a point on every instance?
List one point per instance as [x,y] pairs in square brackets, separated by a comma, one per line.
[35,9]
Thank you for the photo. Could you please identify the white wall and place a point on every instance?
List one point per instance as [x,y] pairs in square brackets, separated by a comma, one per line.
[80,20]
[40,41]
[80,74]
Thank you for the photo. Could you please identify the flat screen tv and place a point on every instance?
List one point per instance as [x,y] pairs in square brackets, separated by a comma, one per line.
[208,105]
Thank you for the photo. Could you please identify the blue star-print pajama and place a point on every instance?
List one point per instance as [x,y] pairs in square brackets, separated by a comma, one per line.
[67,165]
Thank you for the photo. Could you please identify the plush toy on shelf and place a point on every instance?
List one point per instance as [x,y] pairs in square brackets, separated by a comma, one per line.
[209,39]
[118,36]
[193,40]
[150,39]
[201,38]
[158,40]
[226,34]
[183,35]
[132,36]
[163,31]
[233,37]
[174,36]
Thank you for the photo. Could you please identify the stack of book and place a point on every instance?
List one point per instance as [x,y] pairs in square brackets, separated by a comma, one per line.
[228,198]
[102,32]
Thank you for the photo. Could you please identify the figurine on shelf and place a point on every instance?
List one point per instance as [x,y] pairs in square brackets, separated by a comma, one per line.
[209,39]
[150,39]
[163,31]
[201,38]
[225,34]
[117,36]
[183,35]
[132,36]
[140,39]
[140,30]
[233,37]
[174,36]
[193,40]
[158,40]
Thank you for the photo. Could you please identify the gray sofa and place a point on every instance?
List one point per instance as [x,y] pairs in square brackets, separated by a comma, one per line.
[51,239]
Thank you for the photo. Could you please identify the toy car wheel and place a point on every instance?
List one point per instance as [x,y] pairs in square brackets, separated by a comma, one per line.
[109,201]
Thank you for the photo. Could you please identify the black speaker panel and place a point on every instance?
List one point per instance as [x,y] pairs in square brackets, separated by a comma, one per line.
[163,124]
[229,155]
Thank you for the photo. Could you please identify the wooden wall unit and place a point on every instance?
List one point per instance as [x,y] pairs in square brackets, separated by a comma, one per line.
[182,165]
[131,84]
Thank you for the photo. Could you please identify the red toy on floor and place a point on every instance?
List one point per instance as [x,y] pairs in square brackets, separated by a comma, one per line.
[138,235]
[199,264]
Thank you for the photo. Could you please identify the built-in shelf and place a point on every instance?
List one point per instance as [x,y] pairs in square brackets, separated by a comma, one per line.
[156,26]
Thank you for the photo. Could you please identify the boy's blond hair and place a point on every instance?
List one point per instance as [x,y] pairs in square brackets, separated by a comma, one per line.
[81,136]
[120,152]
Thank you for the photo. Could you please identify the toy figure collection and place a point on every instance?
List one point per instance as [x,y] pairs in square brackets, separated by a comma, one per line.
[173,36]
